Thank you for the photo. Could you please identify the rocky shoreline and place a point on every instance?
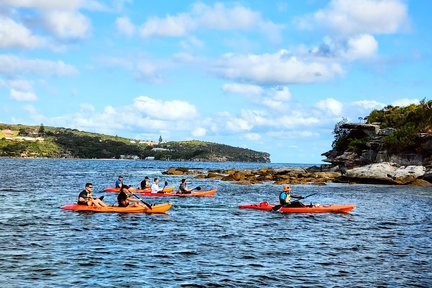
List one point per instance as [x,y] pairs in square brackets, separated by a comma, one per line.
[378,173]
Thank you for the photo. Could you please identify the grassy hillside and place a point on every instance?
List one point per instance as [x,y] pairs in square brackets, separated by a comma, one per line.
[40,141]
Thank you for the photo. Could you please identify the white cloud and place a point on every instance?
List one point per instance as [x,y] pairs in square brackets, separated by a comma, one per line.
[245,89]
[369,104]
[252,136]
[165,110]
[22,95]
[11,65]
[202,16]
[67,24]
[125,26]
[199,132]
[20,38]
[278,68]
[362,46]
[331,106]
[347,17]
[405,102]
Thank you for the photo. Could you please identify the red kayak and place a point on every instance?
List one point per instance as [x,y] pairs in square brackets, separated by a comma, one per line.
[319,208]
[209,193]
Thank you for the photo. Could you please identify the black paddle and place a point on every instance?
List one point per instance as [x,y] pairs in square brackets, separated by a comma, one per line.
[162,191]
[198,188]
[277,207]
[147,204]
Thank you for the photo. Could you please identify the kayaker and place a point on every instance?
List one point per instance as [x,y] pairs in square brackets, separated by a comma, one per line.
[124,200]
[285,199]
[119,182]
[85,197]
[155,186]
[183,188]
[145,183]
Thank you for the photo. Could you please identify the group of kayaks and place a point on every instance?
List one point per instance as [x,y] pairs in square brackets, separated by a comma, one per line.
[169,192]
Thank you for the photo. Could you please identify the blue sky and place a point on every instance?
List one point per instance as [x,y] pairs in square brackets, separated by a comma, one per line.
[273,76]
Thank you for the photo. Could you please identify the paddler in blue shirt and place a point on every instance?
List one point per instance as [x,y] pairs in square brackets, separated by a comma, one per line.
[285,199]
[119,182]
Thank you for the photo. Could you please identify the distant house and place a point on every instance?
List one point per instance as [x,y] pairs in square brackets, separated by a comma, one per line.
[160,149]
[7,132]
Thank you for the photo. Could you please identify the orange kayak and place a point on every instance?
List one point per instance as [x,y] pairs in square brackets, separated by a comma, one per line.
[327,208]
[136,190]
[209,193]
[159,208]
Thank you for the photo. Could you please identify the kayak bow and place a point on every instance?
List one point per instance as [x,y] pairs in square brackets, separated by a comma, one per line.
[159,208]
[328,208]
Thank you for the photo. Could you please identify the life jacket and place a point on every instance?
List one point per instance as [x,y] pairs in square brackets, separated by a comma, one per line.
[285,197]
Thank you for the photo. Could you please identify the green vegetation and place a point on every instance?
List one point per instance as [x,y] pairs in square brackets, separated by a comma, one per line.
[406,122]
[51,142]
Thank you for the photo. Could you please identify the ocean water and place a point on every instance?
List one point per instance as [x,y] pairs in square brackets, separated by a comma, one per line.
[206,242]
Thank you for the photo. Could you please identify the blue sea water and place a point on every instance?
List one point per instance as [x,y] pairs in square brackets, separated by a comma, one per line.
[205,242]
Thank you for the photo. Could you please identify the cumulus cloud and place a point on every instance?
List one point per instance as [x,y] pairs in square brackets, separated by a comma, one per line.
[11,65]
[330,106]
[245,89]
[216,17]
[20,38]
[369,104]
[67,24]
[165,110]
[199,132]
[22,95]
[125,26]
[252,136]
[279,68]
[405,102]
[347,17]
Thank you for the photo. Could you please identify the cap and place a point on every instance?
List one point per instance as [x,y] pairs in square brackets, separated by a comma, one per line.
[286,188]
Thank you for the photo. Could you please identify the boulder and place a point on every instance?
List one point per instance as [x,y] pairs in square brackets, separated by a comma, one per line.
[382,173]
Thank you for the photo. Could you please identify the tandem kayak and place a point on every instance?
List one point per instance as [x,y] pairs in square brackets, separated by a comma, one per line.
[136,190]
[208,193]
[158,208]
[319,208]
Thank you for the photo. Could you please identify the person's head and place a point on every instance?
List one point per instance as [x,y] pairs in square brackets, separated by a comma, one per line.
[156,180]
[146,178]
[120,178]
[89,186]
[287,188]
[183,181]
[124,188]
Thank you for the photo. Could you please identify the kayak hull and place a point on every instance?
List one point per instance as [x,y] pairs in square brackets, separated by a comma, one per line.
[330,208]
[209,193]
[113,189]
[159,208]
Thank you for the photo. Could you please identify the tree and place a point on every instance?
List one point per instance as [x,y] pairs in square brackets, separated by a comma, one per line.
[41,130]
[160,139]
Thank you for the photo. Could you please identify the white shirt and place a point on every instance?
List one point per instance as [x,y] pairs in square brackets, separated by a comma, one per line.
[155,188]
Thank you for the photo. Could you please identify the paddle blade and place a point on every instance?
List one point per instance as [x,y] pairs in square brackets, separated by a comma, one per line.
[166,183]
[197,188]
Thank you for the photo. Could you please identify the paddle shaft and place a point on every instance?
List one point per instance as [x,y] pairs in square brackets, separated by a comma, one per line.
[147,204]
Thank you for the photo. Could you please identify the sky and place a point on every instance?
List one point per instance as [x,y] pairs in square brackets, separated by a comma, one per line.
[271,76]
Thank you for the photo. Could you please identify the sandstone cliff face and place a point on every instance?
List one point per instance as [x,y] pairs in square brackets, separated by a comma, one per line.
[375,151]
[376,164]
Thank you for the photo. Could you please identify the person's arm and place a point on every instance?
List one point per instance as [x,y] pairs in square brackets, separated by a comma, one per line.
[296,196]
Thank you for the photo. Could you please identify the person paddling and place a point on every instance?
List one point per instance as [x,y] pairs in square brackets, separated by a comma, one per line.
[285,199]
[119,182]
[145,183]
[124,200]
[155,186]
[183,188]
[85,197]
